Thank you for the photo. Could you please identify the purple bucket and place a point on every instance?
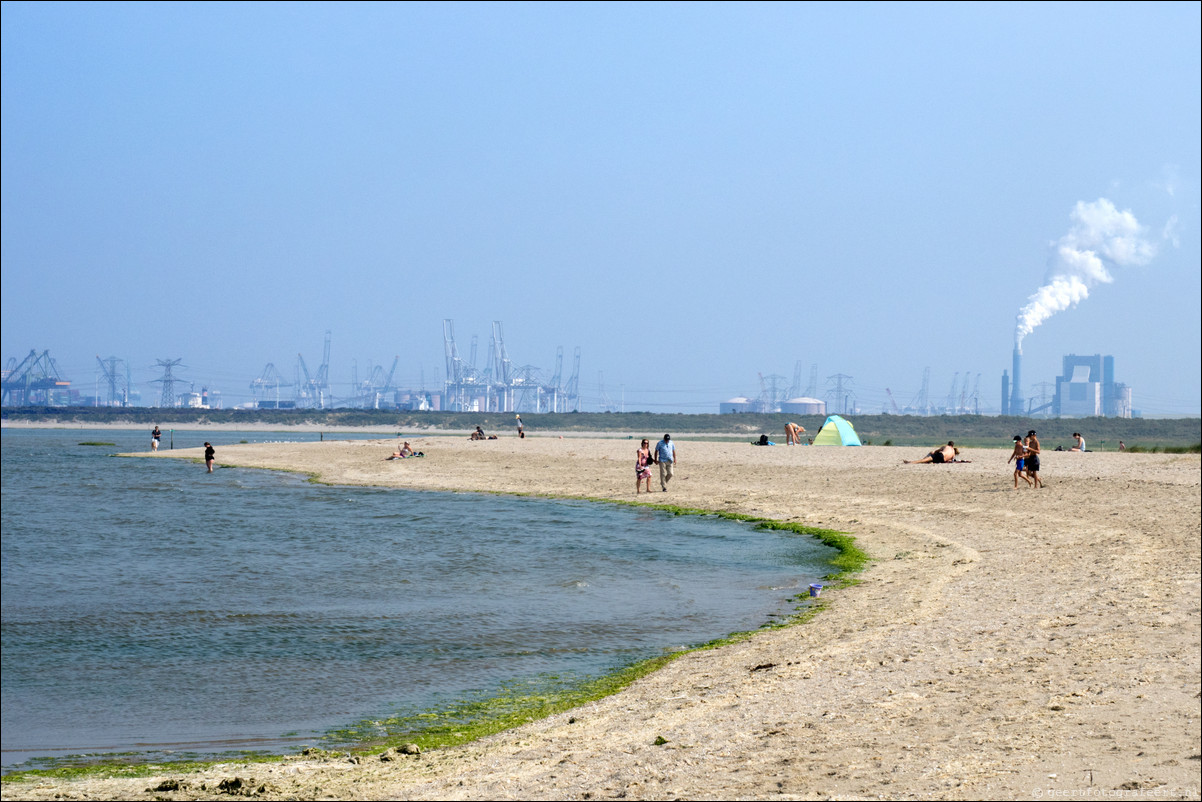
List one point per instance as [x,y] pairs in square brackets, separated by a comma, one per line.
[815,590]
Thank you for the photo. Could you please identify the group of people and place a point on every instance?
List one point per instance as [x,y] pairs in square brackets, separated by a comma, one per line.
[1026,459]
[210,453]
[480,435]
[664,455]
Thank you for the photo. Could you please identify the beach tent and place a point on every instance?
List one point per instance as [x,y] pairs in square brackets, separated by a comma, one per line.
[837,432]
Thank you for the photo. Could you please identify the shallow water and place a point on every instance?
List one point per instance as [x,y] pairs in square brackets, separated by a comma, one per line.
[151,607]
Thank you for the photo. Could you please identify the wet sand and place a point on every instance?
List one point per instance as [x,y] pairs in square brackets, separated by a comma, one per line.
[1002,644]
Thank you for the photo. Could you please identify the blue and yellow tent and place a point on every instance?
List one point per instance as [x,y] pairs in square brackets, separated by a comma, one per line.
[837,432]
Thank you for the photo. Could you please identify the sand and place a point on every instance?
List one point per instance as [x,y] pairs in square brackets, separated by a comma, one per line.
[1003,644]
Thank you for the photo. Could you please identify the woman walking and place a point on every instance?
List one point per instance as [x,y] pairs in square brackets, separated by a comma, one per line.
[642,467]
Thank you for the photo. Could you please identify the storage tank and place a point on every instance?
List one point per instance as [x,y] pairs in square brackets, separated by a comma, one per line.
[738,404]
[804,406]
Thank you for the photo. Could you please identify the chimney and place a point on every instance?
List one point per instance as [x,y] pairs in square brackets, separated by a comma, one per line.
[1017,405]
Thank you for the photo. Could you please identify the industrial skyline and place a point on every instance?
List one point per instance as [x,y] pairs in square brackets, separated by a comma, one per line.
[492,382]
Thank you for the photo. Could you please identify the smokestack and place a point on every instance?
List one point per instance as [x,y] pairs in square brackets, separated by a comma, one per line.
[1005,393]
[1017,407]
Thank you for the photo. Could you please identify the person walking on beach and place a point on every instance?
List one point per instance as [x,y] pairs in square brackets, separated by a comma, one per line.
[210,454]
[521,428]
[1019,457]
[155,436]
[1033,458]
[643,458]
[665,455]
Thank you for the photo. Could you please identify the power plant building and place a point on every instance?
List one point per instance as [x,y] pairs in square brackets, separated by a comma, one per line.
[1087,388]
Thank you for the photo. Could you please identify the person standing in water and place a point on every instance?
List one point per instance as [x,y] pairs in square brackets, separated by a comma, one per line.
[155,437]
[210,454]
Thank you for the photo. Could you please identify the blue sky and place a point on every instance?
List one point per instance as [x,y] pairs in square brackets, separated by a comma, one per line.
[693,194]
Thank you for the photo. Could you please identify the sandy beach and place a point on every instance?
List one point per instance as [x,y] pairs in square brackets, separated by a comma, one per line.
[1002,644]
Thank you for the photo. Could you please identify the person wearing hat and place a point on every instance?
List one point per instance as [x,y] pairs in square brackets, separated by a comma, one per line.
[1033,458]
[665,455]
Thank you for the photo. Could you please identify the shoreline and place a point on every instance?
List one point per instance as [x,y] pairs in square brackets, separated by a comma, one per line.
[314,428]
[1000,643]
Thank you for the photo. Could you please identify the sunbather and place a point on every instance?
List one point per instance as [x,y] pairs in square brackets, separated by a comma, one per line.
[937,456]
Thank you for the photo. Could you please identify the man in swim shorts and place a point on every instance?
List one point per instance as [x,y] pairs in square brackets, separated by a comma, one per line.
[1019,456]
[937,456]
[1033,458]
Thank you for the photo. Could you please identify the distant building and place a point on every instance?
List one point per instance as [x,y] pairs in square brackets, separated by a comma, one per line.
[804,406]
[1087,388]
[736,405]
[794,406]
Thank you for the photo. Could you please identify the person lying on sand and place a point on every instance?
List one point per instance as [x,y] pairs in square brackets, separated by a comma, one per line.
[937,456]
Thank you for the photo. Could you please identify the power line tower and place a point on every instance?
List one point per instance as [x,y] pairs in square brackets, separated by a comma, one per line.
[525,390]
[844,396]
[168,380]
[772,392]
[118,384]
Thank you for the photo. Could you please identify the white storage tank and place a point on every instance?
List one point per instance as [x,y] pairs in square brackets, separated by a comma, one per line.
[804,406]
[735,405]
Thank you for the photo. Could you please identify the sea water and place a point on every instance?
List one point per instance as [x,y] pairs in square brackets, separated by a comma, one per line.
[155,609]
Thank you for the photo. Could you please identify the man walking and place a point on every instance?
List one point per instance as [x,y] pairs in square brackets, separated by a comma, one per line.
[665,455]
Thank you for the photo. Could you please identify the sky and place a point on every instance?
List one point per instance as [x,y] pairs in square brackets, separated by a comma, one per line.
[696,195]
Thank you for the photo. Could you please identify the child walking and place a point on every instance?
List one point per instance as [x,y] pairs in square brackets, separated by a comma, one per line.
[1019,457]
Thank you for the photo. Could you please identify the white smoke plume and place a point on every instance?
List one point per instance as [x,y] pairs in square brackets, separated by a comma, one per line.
[1100,235]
